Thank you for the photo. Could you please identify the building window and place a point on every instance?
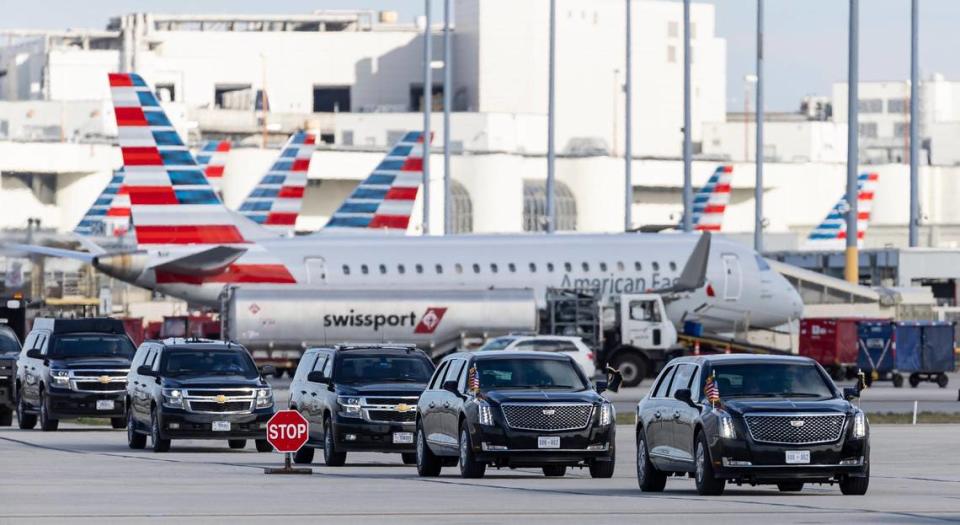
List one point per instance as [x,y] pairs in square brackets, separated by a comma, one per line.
[416,98]
[461,208]
[901,129]
[871,105]
[364,270]
[672,54]
[535,206]
[233,96]
[868,130]
[327,99]
[166,92]
[346,269]
[673,29]
[898,105]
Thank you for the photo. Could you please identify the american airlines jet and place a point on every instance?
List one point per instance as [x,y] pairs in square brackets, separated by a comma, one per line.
[190,245]
[710,203]
[831,234]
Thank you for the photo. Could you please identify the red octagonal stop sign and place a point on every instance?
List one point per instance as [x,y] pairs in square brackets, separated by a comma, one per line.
[287,431]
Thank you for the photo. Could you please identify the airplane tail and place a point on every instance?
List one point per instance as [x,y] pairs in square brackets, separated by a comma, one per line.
[171,201]
[710,203]
[212,158]
[276,200]
[385,199]
[110,213]
[832,232]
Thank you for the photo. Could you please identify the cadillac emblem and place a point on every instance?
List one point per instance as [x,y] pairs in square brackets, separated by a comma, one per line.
[549,411]
[796,423]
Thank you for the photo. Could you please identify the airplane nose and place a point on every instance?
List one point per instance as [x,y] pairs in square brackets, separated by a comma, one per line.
[791,308]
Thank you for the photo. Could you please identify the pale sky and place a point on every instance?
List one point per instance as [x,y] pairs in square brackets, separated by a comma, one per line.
[806,40]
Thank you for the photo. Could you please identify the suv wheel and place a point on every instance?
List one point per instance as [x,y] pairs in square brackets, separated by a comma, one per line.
[264,446]
[331,457]
[47,424]
[554,471]
[851,486]
[790,486]
[409,458]
[707,484]
[304,456]
[428,464]
[135,440]
[159,444]
[118,422]
[648,477]
[6,417]
[237,444]
[469,466]
[24,420]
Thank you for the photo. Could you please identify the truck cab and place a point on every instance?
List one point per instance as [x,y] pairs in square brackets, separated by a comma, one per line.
[644,323]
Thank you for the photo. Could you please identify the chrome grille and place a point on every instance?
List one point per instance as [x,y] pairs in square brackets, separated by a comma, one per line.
[547,417]
[795,429]
[98,373]
[377,409]
[219,400]
[392,416]
[88,380]
[91,386]
[217,408]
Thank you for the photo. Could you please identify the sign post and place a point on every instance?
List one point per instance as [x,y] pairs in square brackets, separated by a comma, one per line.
[287,431]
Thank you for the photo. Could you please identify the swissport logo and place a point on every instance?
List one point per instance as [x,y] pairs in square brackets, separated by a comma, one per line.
[430,320]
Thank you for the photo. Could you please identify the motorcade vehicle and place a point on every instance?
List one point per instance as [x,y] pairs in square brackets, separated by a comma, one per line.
[9,351]
[514,409]
[72,368]
[197,389]
[751,420]
[570,345]
[359,398]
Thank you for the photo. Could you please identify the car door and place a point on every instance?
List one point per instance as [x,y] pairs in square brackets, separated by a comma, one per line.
[684,425]
[24,366]
[429,412]
[151,384]
[298,385]
[653,417]
[133,378]
[325,400]
[673,411]
[451,402]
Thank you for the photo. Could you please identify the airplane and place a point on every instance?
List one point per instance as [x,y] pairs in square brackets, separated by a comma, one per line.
[831,234]
[212,158]
[107,216]
[711,201]
[189,245]
[275,201]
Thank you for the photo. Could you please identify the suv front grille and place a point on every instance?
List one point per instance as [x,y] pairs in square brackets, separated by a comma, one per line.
[98,373]
[219,400]
[391,416]
[219,408]
[795,429]
[547,417]
[386,409]
[93,380]
[90,386]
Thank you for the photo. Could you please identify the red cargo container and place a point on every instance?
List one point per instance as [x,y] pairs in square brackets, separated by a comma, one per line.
[134,328]
[832,342]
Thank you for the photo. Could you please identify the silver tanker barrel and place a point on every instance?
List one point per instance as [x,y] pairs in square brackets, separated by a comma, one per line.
[277,322]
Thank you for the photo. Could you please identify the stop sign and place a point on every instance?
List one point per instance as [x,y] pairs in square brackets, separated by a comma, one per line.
[287,431]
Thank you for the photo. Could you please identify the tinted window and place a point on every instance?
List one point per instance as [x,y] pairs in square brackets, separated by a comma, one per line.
[453,372]
[771,380]
[435,382]
[8,342]
[70,346]
[661,389]
[184,362]
[497,344]
[529,373]
[354,369]
[682,378]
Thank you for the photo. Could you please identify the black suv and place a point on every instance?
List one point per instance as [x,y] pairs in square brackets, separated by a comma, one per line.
[361,398]
[197,389]
[9,350]
[514,409]
[751,419]
[72,368]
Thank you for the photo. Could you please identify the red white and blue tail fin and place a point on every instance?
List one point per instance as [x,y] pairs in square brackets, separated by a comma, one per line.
[385,199]
[710,203]
[212,159]
[110,213]
[171,201]
[832,232]
[275,201]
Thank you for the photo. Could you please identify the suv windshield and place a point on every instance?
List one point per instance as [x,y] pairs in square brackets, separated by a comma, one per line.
[528,373]
[8,341]
[197,362]
[771,380]
[354,369]
[91,345]
[497,344]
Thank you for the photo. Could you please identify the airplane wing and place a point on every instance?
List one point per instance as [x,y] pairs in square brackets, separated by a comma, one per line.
[694,274]
[49,251]
[210,261]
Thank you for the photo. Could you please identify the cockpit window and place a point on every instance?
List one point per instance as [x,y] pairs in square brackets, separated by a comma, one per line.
[762,264]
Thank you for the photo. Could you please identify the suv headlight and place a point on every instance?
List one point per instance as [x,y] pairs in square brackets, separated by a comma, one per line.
[606,414]
[349,406]
[264,397]
[61,378]
[859,425]
[485,414]
[725,427]
[172,397]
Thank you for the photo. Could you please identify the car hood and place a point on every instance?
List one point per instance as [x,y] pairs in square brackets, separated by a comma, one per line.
[383,389]
[542,396]
[746,406]
[212,382]
[88,363]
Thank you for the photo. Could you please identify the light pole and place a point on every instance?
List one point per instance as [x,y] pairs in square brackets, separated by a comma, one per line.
[758,183]
[447,103]
[551,117]
[914,123]
[687,144]
[748,81]
[427,100]
[852,270]
[628,125]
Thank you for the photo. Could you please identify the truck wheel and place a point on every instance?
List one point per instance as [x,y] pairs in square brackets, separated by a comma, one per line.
[6,417]
[24,420]
[707,483]
[851,486]
[135,440]
[914,380]
[897,380]
[304,456]
[237,444]
[632,366]
[264,446]
[47,424]
[409,458]
[648,477]
[331,457]
[942,380]
[428,464]
[554,471]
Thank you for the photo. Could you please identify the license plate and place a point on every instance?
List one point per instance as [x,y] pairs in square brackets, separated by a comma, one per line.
[105,404]
[403,438]
[548,442]
[798,457]
[221,426]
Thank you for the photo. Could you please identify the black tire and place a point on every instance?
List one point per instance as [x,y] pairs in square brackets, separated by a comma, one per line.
[6,417]
[118,422]
[851,486]
[897,380]
[914,380]
[707,484]
[409,458]
[331,457]
[602,469]
[156,440]
[47,424]
[648,477]
[264,446]
[942,380]
[135,440]
[790,486]
[428,464]
[632,366]
[304,456]
[469,467]
[237,444]
[25,421]
[554,471]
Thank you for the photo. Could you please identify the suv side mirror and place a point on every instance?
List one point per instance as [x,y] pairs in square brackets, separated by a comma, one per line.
[684,395]
[601,386]
[146,370]
[450,386]
[317,377]
[268,370]
[614,379]
[850,393]
[34,354]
